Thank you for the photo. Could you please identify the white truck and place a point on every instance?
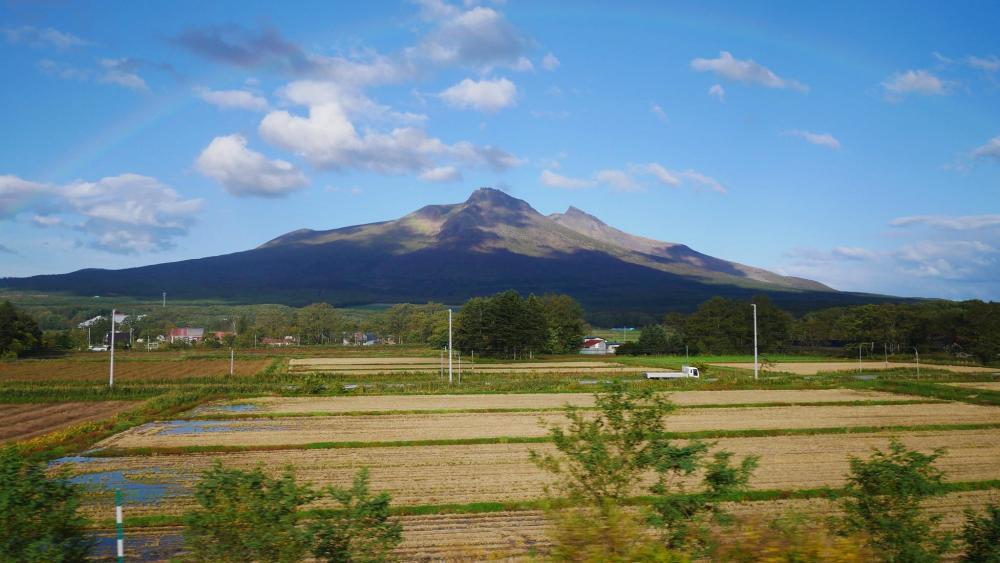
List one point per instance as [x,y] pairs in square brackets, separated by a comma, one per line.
[686,372]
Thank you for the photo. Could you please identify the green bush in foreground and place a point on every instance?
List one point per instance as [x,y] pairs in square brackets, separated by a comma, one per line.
[38,513]
[882,501]
[982,536]
[250,516]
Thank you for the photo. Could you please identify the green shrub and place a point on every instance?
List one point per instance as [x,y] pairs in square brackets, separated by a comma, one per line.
[38,513]
[982,536]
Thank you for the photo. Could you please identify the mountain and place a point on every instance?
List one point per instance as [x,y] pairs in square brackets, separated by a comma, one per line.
[488,243]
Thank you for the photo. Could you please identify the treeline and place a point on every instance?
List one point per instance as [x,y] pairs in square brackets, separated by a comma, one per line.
[19,333]
[725,326]
[507,325]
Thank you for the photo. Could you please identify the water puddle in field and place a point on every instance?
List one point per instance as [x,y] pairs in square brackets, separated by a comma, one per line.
[133,490]
[219,409]
[188,427]
[140,545]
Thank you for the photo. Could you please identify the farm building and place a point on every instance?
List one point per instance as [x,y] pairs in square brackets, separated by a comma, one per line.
[186,334]
[286,341]
[598,346]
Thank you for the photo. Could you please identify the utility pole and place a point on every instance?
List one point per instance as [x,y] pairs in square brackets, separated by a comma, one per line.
[756,365]
[231,358]
[885,348]
[859,357]
[111,377]
[164,298]
[917,352]
[449,348]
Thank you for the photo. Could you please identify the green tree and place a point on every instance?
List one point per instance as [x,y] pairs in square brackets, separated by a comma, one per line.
[318,323]
[19,333]
[360,530]
[564,320]
[250,516]
[603,456]
[38,513]
[981,535]
[882,501]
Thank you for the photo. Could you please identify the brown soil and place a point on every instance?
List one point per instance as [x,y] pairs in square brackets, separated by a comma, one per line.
[22,421]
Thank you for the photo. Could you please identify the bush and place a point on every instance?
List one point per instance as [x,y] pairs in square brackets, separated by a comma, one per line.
[883,500]
[789,539]
[250,516]
[610,534]
[982,536]
[38,514]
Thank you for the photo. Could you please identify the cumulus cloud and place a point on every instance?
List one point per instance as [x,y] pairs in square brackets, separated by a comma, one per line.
[42,37]
[991,150]
[748,71]
[127,214]
[822,139]
[900,84]
[17,194]
[441,174]
[553,180]
[232,99]
[328,138]
[479,37]
[718,92]
[550,62]
[487,96]
[245,172]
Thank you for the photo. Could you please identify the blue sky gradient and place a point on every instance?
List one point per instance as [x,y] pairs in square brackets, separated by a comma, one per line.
[855,143]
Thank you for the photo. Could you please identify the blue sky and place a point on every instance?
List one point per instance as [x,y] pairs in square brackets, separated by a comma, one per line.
[857,144]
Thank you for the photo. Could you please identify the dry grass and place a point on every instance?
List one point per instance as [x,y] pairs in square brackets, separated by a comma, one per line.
[813,368]
[22,421]
[502,472]
[985,385]
[125,371]
[425,364]
[333,405]
[415,427]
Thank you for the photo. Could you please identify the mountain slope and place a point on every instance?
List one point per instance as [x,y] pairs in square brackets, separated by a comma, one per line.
[490,242]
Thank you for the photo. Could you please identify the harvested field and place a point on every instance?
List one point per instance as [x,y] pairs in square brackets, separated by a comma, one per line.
[813,368]
[985,385]
[333,405]
[453,426]
[502,472]
[400,365]
[125,371]
[22,421]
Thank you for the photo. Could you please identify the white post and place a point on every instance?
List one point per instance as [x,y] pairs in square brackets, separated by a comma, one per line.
[917,352]
[164,298]
[119,526]
[459,367]
[756,365]
[885,348]
[111,377]
[859,357]
[449,348]
[441,363]
[231,358]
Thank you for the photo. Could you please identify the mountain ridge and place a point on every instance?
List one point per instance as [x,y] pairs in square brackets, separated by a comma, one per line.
[490,242]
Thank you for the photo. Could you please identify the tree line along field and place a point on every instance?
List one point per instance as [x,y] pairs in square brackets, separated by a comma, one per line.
[456,460]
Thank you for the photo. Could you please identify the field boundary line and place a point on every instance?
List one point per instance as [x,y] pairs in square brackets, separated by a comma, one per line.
[696,435]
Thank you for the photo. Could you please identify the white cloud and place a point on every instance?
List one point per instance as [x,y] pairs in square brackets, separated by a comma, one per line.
[990,150]
[484,95]
[954,223]
[441,174]
[747,71]
[553,180]
[854,253]
[718,92]
[985,64]
[119,71]
[245,172]
[17,194]
[550,62]
[618,179]
[821,139]
[480,37]
[658,111]
[232,99]
[702,180]
[913,82]
[42,37]
[46,220]
[661,174]
[327,136]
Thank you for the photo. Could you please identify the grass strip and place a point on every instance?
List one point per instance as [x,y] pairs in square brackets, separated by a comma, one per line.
[763,495]
[697,435]
[939,391]
[274,415]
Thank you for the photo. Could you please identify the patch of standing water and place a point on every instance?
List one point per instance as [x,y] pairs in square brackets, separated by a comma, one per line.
[184,427]
[133,491]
